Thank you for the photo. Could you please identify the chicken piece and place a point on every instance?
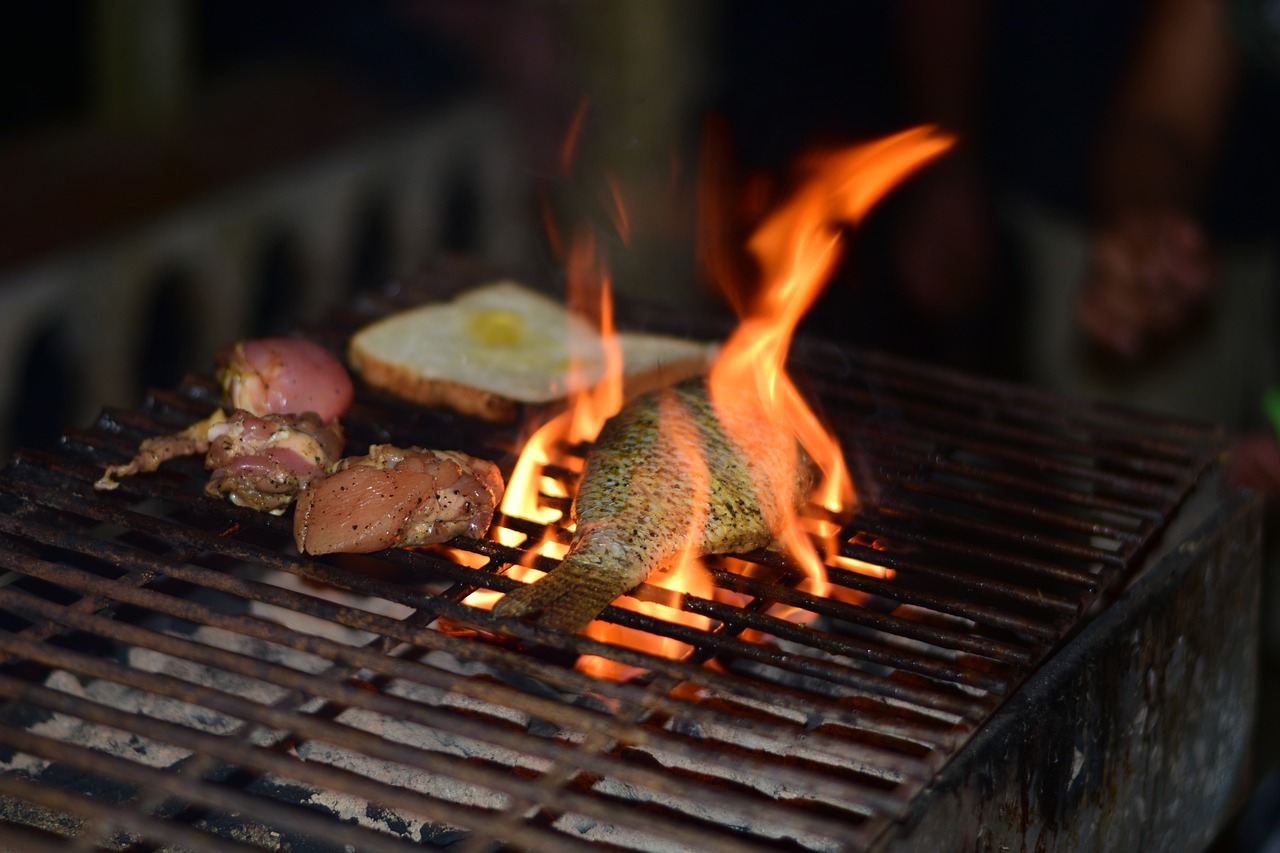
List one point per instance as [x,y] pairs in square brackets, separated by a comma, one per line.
[396,498]
[284,376]
[153,452]
[260,378]
[263,462]
[662,478]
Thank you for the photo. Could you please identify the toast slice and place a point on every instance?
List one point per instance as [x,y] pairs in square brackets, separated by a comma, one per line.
[503,344]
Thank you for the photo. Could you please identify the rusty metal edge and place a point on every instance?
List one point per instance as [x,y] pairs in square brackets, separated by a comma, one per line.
[1136,735]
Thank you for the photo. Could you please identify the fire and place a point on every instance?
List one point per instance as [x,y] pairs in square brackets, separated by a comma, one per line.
[796,247]
[686,577]
[569,147]
[588,286]
[589,292]
[618,211]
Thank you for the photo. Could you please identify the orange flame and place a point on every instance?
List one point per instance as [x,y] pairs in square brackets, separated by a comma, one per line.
[686,577]
[588,283]
[618,210]
[569,147]
[797,247]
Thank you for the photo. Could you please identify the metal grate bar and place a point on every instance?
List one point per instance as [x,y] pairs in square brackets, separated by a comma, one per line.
[227,546]
[349,696]
[107,821]
[266,760]
[218,797]
[499,659]
[1130,434]
[339,692]
[887,623]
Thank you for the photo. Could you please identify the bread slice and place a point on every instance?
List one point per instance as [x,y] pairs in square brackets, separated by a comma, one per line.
[502,344]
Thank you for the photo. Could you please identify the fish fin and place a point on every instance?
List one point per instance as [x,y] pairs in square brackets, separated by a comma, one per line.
[567,599]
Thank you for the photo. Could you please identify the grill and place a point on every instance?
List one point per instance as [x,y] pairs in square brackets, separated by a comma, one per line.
[1031,588]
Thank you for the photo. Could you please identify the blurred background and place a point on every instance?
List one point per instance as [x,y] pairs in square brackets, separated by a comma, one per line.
[180,173]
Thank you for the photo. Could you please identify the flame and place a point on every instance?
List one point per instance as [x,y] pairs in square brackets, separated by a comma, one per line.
[617,210]
[569,147]
[589,408]
[686,577]
[589,290]
[797,246]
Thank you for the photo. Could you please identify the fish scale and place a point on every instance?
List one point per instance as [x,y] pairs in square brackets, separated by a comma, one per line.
[664,476]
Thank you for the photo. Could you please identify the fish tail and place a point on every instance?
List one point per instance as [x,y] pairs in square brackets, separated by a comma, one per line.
[567,599]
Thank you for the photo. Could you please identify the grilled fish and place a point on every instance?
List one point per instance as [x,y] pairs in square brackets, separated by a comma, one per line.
[663,477]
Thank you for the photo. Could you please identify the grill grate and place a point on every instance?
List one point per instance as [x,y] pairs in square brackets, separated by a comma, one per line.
[154,699]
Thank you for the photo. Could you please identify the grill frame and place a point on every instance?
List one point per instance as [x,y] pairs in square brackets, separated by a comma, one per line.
[1137,734]
[888,717]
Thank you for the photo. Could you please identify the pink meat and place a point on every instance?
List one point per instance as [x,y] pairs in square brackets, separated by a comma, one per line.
[285,376]
[155,451]
[261,379]
[263,462]
[396,498]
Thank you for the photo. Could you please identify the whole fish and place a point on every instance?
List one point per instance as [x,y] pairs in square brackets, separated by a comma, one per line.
[664,477]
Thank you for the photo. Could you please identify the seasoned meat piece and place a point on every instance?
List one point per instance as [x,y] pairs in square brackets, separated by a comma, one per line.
[263,462]
[153,452]
[261,379]
[396,498]
[284,376]
[664,477]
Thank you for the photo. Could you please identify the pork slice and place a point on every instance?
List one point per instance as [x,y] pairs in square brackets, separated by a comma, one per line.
[396,497]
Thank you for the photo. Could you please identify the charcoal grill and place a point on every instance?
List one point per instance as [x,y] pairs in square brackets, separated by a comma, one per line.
[1060,651]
